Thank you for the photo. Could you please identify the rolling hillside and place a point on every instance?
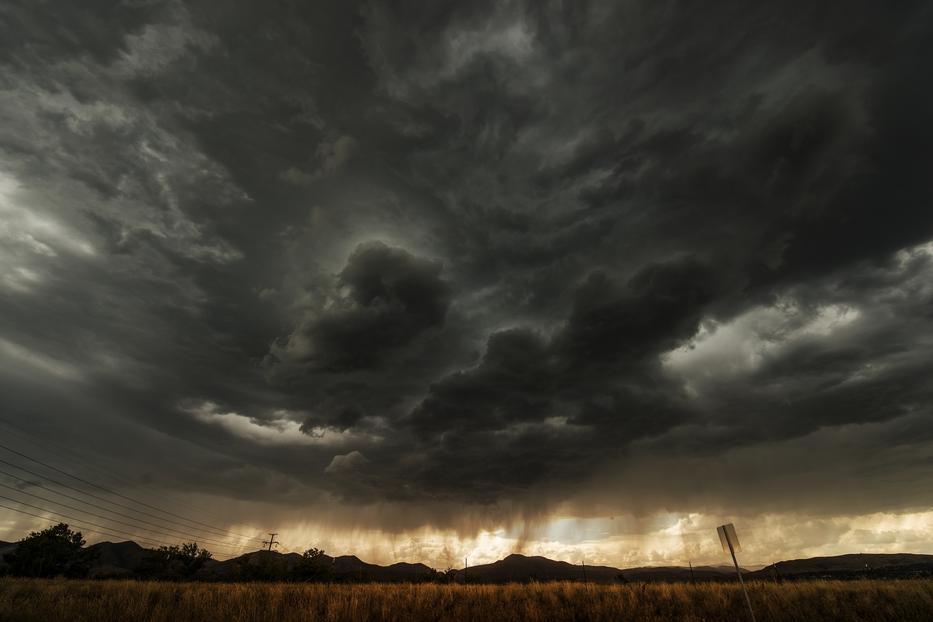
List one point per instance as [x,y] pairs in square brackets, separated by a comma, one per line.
[124,559]
[845,566]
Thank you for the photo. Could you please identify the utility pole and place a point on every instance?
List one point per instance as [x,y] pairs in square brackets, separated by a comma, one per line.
[693,579]
[465,565]
[271,541]
[583,564]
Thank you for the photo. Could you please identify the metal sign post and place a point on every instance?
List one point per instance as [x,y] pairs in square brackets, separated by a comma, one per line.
[730,544]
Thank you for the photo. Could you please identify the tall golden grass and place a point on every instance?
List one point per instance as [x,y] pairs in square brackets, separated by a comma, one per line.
[107,601]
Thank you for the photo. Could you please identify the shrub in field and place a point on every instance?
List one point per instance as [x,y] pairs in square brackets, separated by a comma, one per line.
[175,562]
[260,567]
[313,566]
[52,552]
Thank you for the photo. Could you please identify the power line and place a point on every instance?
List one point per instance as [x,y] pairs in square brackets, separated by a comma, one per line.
[99,498]
[69,517]
[122,496]
[82,527]
[47,444]
[114,503]
[59,449]
[112,520]
[133,518]
[82,524]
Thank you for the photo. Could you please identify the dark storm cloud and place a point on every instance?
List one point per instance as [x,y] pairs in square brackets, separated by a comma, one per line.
[393,298]
[468,252]
[661,307]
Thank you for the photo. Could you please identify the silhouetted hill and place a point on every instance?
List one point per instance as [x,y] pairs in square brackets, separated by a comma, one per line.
[262,564]
[257,564]
[851,565]
[520,568]
[124,559]
[116,559]
[352,567]
[679,573]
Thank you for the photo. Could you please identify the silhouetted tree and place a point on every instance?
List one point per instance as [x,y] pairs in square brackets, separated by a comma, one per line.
[261,566]
[313,566]
[433,576]
[52,552]
[175,562]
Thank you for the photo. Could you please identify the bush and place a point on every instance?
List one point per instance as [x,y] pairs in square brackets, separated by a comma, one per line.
[313,566]
[52,552]
[175,562]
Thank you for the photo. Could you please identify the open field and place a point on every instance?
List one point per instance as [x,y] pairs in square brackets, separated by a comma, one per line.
[105,601]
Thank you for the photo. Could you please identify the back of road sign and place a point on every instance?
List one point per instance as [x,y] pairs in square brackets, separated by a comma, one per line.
[726,535]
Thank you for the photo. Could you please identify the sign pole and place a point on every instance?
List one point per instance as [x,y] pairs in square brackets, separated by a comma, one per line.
[726,536]
[741,581]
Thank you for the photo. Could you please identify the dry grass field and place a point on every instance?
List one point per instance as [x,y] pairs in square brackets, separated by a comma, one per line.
[106,601]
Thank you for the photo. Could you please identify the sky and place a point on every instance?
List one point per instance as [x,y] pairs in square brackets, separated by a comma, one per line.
[431,280]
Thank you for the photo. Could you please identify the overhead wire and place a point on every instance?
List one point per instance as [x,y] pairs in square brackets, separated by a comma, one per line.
[114,532]
[112,520]
[99,498]
[84,528]
[46,444]
[214,530]
[117,494]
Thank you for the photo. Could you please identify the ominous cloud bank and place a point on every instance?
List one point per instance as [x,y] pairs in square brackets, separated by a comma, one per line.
[496,256]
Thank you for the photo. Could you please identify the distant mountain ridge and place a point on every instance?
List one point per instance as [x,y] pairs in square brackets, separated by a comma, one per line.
[520,568]
[344,567]
[124,559]
[851,564]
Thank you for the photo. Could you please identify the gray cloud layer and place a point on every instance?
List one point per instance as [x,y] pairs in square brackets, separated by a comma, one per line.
[474,252]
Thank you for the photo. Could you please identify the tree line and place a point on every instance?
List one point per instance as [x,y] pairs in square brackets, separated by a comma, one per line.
[60,552]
